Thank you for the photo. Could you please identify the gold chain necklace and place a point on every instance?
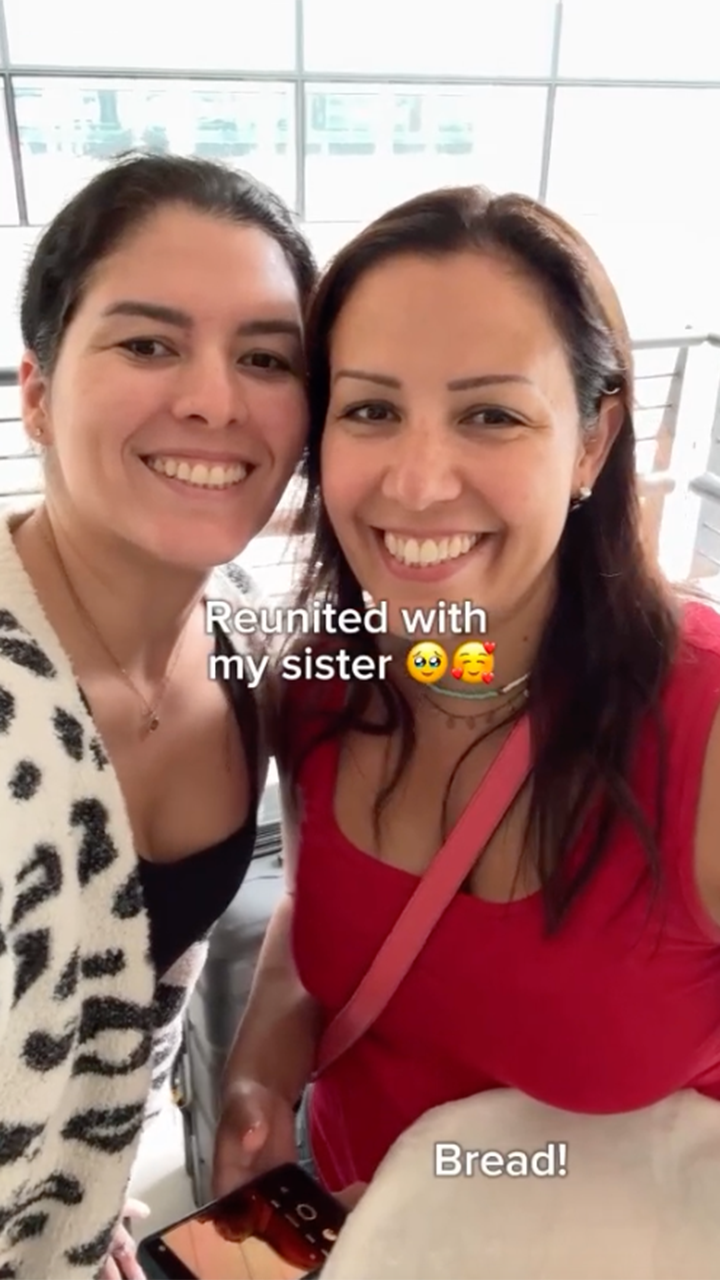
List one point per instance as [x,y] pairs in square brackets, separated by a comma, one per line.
[151,720]
[487,716]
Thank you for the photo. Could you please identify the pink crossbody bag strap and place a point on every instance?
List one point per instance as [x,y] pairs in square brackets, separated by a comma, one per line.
[436,890]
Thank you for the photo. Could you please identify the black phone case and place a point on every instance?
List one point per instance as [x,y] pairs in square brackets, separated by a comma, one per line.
[336,1212]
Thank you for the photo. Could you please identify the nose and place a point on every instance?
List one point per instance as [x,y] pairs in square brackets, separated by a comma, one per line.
[209,392]
[423,469]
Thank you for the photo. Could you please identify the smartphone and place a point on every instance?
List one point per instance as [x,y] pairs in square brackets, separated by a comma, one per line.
[280,1226]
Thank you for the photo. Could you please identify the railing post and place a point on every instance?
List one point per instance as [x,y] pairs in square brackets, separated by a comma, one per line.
[697,408]
[704,486]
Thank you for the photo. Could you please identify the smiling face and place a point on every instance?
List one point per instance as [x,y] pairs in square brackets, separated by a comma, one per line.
[473,663]
[176,412]
[452,442]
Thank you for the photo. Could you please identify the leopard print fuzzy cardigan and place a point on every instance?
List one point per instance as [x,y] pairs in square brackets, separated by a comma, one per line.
[87,1034]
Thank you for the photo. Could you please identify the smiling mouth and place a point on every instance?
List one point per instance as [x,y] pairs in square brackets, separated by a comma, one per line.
[199,475]
[422,553]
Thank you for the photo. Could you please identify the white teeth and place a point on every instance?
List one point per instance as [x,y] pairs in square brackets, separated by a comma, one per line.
[217,476]
[429,551]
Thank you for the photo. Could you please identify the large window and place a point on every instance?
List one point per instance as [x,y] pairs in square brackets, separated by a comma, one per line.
[142,34]
[423,38]
[68,129]
[607,109]
[639,40]
[368,146]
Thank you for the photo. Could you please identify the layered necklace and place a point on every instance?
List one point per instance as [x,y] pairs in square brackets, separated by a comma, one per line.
[487,714]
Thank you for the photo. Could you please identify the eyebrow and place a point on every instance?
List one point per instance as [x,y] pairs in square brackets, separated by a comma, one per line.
[457,384]
[182,320]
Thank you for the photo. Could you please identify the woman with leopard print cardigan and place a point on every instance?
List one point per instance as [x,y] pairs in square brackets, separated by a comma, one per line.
[163,383]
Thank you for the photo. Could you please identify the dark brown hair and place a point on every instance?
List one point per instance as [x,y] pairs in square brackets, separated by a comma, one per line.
[613,631]
[116,202]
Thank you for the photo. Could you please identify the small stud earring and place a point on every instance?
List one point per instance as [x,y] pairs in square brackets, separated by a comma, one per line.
[580,497]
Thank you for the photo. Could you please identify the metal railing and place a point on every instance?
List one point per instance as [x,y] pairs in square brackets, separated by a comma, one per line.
[677,427]
[677,384]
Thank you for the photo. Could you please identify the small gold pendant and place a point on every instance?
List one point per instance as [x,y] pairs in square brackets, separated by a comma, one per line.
[152,724]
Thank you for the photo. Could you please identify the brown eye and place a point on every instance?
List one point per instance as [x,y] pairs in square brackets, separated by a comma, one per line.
[268,361]
[375,411]
[492,417]
[145,348]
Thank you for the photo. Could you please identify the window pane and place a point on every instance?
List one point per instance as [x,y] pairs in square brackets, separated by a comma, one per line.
[16,245]
[667,275]
[327,238]
[8,203]
[69,129]
[217,35]
[459,37]
[368,147]
[635,151]
[652,39]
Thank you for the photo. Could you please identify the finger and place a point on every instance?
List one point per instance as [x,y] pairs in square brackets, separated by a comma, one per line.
[111,1270]
[247,1135]
[136,1209]
[349,1196]
[228,1176]
[254,1137]
[243,1108]
[123,1255]
[130,1268]
[236,1155]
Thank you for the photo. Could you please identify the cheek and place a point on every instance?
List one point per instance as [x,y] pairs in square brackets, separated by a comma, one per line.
[91,413]
[526,486]
[280,417]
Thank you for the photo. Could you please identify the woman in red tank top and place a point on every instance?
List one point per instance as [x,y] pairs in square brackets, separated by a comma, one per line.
[472,445]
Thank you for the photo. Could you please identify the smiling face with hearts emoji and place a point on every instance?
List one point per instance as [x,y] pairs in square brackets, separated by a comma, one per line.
[473,662]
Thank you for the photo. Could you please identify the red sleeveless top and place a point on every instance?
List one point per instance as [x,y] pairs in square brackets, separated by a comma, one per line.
[619,1010]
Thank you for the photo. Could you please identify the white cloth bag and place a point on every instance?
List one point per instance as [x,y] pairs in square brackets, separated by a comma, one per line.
[640,1198]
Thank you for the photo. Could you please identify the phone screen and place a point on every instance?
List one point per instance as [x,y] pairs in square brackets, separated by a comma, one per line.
[281,1226]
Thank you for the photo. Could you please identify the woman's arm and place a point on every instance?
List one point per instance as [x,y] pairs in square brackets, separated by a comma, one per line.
[272,1058]
[276,1040]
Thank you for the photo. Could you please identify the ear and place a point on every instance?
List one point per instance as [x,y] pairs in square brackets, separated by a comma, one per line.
[34,399]
[597,443]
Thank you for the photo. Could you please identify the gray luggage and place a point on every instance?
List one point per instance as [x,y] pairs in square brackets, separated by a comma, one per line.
[221,994]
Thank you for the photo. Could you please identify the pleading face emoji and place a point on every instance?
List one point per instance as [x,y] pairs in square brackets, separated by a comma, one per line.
[427,662]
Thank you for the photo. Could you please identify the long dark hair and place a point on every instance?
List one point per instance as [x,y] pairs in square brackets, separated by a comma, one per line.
[117,201]
[613,631]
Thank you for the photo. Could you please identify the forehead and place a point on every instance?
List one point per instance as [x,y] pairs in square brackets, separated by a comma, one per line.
[452,308]
[182,257]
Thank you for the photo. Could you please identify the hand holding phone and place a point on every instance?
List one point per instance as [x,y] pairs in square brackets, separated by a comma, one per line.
[280,1226]
[256,1133]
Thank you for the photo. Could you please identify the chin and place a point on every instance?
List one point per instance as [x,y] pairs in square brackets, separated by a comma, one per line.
[198,551]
